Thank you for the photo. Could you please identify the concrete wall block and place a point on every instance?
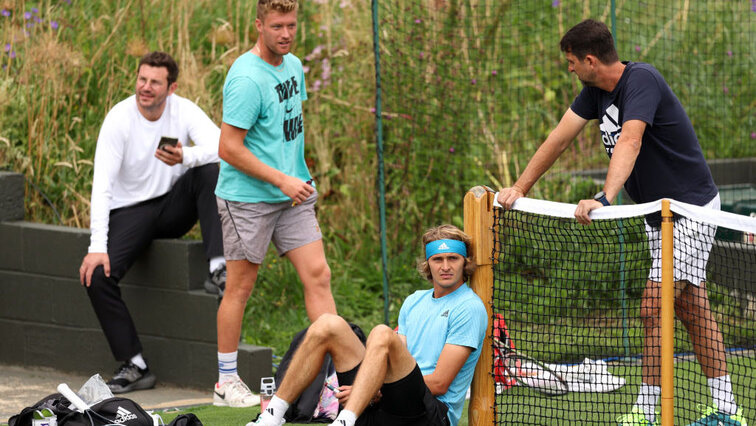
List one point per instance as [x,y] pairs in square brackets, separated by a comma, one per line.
[180,362]
[44,299]
[25,297]
[11,196]
[11,253]
[165,313]
[731,264]
[170,263]
[54,250]
[254,362]
[12,338]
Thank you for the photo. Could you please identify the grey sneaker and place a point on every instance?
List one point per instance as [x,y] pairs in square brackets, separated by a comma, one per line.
[129,378]
[216,281]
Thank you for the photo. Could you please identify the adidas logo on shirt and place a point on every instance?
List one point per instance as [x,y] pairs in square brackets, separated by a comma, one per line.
[443,246]
[123,415]
[445,314]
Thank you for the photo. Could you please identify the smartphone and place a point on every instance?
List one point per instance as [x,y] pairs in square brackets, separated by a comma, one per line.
[165,140]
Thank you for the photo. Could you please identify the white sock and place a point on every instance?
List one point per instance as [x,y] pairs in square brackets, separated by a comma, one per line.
[721,392]
[648,397]
[139,361]
[275,410]
[217,262]
[345,418]
[227,366]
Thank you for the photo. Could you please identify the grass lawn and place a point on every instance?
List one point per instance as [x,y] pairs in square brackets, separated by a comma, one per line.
[214,416]
[520,405]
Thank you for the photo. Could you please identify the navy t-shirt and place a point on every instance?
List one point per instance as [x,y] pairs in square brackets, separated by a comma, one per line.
[670,163]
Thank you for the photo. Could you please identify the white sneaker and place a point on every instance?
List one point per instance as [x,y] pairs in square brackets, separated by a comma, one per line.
[266,420]
[234,393]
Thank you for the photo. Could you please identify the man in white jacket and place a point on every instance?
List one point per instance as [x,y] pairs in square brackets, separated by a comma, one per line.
[155,171]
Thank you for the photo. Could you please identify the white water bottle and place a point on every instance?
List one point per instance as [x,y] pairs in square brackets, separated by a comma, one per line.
[267,389]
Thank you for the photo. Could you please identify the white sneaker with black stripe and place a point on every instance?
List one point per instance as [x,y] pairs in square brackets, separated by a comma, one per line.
[267,418]
[234,393]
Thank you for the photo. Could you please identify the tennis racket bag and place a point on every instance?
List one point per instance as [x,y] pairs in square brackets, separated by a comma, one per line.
[116,410]
[501,377]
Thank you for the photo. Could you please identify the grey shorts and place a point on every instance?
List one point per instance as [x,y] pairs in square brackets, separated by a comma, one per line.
[692,244]
[248,228]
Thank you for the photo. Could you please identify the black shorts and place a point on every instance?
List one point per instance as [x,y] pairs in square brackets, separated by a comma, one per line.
[406,402]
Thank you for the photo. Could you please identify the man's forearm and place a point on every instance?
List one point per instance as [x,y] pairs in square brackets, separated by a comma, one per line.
[246,162]
[621,165]
[542,160]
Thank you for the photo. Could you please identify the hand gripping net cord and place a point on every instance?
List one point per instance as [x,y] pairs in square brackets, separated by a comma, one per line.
[571,297]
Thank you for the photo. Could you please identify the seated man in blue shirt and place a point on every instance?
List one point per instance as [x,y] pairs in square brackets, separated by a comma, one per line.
[416,376]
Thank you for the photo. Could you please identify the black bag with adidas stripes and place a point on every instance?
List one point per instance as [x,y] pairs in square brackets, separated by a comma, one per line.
[121,411]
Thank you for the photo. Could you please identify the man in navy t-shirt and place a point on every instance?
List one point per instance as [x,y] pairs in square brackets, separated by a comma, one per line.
[654,153]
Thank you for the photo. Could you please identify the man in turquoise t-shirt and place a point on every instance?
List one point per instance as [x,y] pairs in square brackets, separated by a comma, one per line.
[265,192]
[416,376]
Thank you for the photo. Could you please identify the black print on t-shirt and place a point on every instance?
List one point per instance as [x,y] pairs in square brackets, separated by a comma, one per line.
[287,89]
[292,126]
[610,128]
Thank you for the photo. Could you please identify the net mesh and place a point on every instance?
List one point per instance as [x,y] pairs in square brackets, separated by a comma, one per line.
[470,88]
[571,297]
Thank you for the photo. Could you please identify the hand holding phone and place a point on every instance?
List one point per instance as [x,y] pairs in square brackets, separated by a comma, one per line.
[165,140]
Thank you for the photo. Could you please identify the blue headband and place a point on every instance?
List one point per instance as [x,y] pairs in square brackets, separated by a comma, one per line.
[445,246]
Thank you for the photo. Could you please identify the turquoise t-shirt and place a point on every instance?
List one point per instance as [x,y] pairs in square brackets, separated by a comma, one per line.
[459,318]
[266,101]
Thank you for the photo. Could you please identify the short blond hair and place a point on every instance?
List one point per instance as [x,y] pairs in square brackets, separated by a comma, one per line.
[446,232]
[281,6]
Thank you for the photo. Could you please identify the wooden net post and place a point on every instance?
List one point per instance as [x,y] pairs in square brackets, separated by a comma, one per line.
[667,317]
[479,224]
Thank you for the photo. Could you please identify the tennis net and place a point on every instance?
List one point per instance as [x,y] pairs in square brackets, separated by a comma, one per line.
[572,297]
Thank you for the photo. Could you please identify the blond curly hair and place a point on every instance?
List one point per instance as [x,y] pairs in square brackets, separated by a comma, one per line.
[446,232]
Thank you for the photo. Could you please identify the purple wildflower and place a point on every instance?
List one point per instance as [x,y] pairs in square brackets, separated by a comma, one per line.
[13,54]
[422,55]
[37,19]
[315,52]
[27,15]
[753,135]
[5,12]
[305,68]
[555,3]
[418,20]
[372,109]
[326,75]
[7,47]
[34,10]
[637,48]
[54,25]
[725,89]
[494,72]
[451,149]
[473,81]
[729,53]
[753,5]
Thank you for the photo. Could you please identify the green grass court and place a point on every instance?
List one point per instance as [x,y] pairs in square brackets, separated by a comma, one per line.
[517,405]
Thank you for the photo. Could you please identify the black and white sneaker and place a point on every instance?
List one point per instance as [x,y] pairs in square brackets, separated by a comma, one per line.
[216,281]
[129,378]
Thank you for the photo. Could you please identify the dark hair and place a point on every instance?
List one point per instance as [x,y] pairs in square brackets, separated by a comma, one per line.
[447,232]
[590,38]
[161,59]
